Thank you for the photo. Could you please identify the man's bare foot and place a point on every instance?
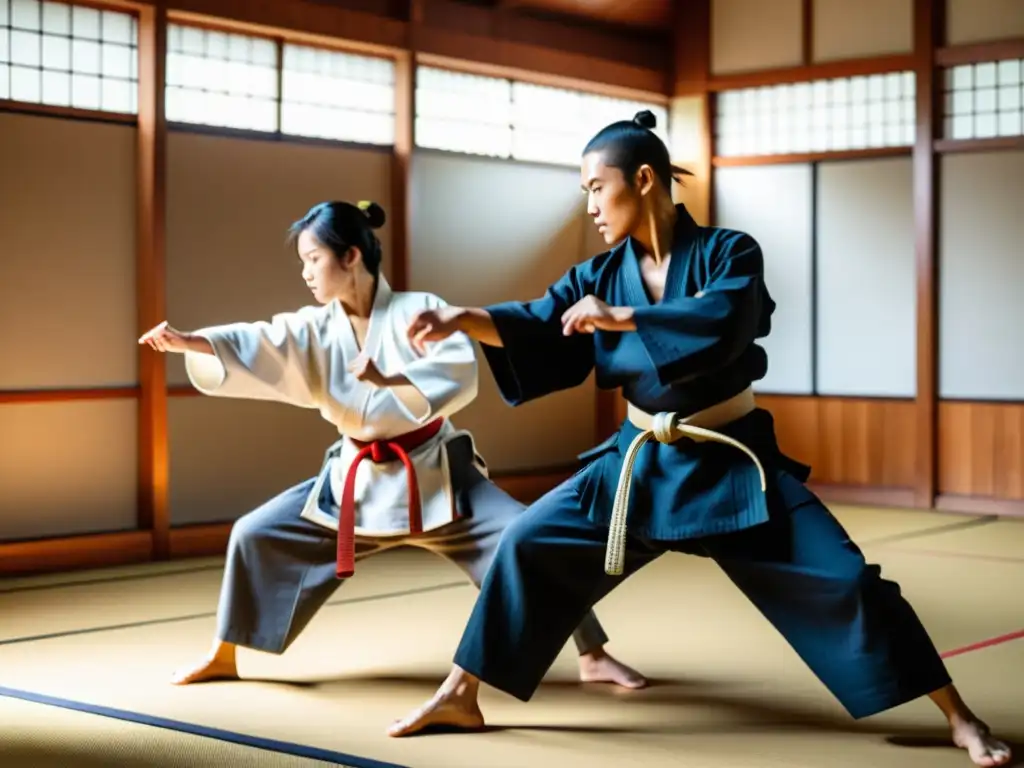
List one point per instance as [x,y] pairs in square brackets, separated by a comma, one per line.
[601,667]
[446,710]
[983,748]
[220,664]
[453,706]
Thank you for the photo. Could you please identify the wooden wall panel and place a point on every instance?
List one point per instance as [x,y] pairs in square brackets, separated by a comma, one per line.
[866,442]
[752,35]
[67,468]
[850,442]
[796,425]
[981,449]
[67,251]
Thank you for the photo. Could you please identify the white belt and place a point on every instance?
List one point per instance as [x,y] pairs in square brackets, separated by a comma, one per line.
[668,428]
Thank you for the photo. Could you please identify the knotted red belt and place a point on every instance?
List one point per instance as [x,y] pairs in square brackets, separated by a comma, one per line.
[379,451]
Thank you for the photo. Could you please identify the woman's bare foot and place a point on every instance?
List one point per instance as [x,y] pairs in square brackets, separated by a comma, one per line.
[983,748]
[220,664]
[969,732]
[599,666]
[453,706]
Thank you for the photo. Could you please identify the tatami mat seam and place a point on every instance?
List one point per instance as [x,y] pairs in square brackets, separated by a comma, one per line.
[904,536]
[960,525]
[211,614]
[109,579]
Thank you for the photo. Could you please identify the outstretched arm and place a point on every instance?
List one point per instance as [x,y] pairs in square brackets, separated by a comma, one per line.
[440,323]
[522,342]
[164,338]
[282,360]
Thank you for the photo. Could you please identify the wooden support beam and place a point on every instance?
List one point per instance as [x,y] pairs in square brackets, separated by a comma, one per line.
[153,508]
[67,395]
[929,28]
[693,142]
[807,28]
[825,71]
[995,50]
[812,157]
[993,144]
[401,154]
[75,113]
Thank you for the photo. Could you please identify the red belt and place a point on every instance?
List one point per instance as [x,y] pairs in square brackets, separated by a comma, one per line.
[379,451]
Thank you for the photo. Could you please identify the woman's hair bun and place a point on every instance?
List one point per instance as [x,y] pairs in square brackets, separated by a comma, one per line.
[374,213]
[646,119]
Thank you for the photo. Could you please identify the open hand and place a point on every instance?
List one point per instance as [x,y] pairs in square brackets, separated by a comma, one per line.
[164,338]
[433,325]
[364,369]
[590,314]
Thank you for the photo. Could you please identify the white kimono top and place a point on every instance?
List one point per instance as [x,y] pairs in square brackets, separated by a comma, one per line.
[302,357]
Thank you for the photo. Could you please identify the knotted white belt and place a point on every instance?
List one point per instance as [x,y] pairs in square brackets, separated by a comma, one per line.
[668,428]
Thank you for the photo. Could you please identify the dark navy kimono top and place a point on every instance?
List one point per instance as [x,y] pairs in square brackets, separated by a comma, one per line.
[686,354]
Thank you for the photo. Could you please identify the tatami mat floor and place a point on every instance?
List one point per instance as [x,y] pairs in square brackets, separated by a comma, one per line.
[727,689]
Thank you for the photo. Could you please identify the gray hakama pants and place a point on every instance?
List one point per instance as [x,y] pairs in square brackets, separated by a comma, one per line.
[280,567]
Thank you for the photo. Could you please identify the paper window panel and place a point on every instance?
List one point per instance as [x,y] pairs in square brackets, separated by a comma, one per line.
[458,112]
[820,116]
[496,117]
[335,95]
[221,79]
[984,100]
[553,125]
[69,56]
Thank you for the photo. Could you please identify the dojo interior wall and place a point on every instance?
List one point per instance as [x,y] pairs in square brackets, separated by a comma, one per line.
[839,245]
[483,230]
[67,319]
[839,242]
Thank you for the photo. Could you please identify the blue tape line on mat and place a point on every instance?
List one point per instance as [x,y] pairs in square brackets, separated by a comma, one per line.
[299,750]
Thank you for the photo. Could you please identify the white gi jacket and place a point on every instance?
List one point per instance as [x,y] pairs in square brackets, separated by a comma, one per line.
[301,358]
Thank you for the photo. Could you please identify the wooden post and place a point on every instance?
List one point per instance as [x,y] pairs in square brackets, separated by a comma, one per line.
[151,294]
[929,30]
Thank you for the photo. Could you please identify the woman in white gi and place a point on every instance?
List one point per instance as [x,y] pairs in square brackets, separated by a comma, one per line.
[401,473]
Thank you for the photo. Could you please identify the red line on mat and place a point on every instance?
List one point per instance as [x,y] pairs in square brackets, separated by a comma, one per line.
[985,644]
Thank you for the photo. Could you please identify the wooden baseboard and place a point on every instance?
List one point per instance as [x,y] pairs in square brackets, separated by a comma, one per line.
[130,547]
[101,550]
[980,505]
[199,540]
[902,498]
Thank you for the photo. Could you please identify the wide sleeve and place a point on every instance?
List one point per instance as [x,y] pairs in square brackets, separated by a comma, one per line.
[690,336]
[283,359]
[537,359]
[446,376]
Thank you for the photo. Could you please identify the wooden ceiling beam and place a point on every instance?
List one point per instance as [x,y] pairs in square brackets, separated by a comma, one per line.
[636,60]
